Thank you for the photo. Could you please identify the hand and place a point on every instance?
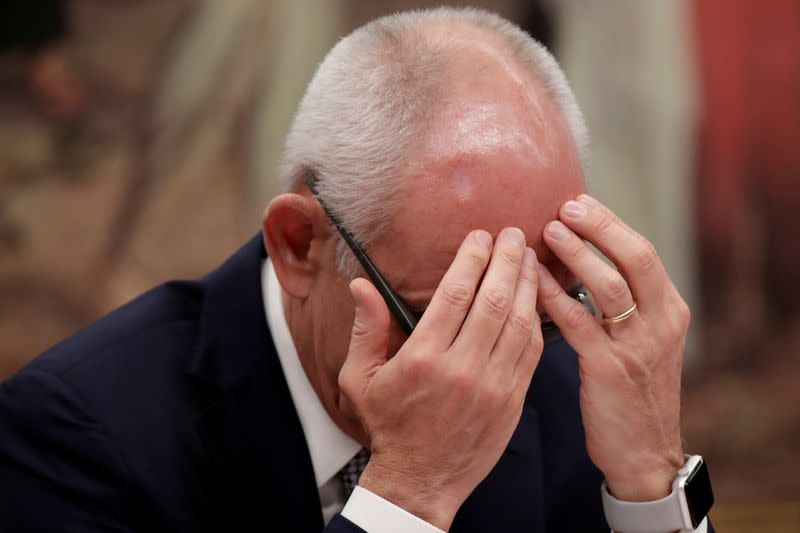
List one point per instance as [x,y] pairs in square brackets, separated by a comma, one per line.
[630,371]
[441,411]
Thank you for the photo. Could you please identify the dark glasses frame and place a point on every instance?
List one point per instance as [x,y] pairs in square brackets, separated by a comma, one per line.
[402,314]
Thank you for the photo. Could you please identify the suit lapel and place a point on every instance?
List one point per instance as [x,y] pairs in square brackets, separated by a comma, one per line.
[511,497]
[248,424]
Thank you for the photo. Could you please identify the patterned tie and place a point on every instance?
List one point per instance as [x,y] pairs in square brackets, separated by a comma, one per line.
[352,470]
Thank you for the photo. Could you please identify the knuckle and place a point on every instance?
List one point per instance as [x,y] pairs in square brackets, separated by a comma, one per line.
[494,395]
[478,256]
[580,251]
[615,286]
[529,275]
[496,300]
[535,347]
[547,290]
[520,323]
[463,380]
[360,327]
[418,365]
[604,224]
[685,314]
[646,256]
[680,320]
[510,257]
[457,294]
[576,316]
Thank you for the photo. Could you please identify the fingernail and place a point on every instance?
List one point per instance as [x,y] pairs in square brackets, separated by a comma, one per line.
[574,210]
[515,236]
[529,257]
[557,230]
[483,238]
[588,201]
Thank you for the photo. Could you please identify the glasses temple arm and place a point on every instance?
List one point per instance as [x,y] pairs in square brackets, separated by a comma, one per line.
[398,308]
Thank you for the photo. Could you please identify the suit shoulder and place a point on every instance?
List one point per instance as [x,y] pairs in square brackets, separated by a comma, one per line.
[167,312]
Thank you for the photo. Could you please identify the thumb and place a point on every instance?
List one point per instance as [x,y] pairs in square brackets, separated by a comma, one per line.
[369,340]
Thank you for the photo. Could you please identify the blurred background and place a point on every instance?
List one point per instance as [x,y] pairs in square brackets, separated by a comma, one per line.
[139,142]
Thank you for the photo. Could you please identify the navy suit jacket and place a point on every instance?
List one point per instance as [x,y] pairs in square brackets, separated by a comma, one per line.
[172,414]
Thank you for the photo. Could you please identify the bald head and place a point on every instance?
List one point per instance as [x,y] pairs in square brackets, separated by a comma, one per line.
[408,94]
[491,107]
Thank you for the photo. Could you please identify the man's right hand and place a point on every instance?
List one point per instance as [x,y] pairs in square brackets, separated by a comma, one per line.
[441,411]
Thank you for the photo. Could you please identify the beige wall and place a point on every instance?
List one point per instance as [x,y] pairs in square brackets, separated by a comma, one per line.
[629,64]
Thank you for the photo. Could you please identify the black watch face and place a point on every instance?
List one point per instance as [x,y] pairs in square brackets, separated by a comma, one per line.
[699,495]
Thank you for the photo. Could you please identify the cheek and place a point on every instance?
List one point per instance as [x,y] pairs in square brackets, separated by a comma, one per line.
[337,335]
[337,322]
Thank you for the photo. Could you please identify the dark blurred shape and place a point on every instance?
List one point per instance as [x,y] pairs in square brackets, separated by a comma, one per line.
[539,23]
[38,27]
[31,24]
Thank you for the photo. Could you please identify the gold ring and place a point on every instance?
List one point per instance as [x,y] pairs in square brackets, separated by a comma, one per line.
[621,317]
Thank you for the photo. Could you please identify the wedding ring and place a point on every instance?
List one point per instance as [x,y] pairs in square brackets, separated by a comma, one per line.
[622,317]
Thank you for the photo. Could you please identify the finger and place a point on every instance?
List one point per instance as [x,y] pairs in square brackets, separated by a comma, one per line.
[634,255]
[528,360]
[576,323]
[522,321]
[450,304]
[609,289]
[523,373]
[493,302]
[369,339]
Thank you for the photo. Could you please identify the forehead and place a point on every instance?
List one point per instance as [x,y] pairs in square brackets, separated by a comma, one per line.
[497,155]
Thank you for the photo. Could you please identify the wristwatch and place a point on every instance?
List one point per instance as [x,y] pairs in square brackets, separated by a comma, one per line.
[684,509]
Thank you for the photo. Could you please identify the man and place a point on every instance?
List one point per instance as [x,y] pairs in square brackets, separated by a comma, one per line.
[448,143]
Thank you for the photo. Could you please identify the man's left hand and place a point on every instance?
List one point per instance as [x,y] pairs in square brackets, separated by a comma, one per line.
[631,370]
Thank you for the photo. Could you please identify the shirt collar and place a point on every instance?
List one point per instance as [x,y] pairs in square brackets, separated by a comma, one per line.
[330,447]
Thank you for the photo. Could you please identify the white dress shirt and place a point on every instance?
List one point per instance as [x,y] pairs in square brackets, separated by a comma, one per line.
[330,448]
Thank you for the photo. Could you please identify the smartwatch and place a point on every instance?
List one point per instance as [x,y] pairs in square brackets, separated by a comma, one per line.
[684,509]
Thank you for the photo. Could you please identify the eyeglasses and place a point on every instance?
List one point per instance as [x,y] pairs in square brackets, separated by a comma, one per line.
[402,314]
[398,308]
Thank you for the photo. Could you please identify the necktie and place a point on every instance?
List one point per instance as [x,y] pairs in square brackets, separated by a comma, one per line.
[350,473]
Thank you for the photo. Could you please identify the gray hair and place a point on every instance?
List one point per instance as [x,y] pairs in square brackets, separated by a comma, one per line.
[369,100]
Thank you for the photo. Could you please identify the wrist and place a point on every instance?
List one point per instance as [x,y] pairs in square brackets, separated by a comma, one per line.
[415,496]
[645,483]
[684,509]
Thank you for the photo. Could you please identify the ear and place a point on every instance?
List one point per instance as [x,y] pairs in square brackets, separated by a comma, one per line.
[291,224]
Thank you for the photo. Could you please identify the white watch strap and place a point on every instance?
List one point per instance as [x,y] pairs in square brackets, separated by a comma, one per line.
[658,516]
